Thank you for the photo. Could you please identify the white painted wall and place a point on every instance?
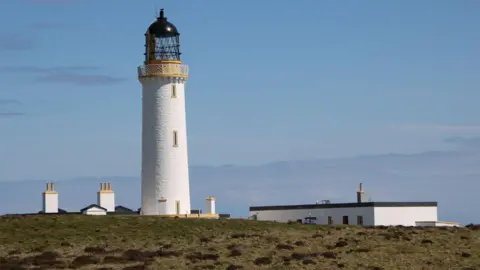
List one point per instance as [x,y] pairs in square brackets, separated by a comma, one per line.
[386,216]
[436,224]
[210,206]
[50,202]
[321,214]
[164,167]
[405,216]
[95,211]
[162,206]
[106,200]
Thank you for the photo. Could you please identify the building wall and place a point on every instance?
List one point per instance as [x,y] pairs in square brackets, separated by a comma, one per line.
[386,216]
[321,215]
[436,224]
[405,216]
[50,202]
[210,207]
[164,167]
[106,200]
[95,212]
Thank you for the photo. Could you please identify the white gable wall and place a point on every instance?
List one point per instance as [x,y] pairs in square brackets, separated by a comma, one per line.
[320,213]
[95,211]
[406,216]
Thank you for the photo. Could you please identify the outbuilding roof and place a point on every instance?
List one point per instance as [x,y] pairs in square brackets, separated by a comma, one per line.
[92,206]
[343,205]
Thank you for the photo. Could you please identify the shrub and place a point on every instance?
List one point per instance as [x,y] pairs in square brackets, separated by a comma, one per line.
[84,260]
[262,261]
[285,246]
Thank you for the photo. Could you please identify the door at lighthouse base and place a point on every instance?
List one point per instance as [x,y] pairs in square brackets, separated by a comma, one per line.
[177,207]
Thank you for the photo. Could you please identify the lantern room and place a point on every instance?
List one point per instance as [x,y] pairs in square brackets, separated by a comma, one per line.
[162,41]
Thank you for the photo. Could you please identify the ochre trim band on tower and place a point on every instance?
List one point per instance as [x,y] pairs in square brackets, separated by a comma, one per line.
[163,70]
[159,62]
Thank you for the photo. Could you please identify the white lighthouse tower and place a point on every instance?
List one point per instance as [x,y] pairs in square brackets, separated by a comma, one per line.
[165,177]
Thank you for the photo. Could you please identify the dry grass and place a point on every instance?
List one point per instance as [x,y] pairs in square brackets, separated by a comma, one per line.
[134,242]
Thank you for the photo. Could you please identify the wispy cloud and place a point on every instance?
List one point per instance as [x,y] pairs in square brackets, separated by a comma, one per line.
[79,79]
[10,114]
[465,144]
[437,128]
[9,101]
[66,74]
[15,42]
[45,70]
[5,112]
[49,1]
[47,25]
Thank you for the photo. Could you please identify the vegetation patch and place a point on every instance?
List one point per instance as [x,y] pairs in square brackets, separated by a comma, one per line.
[84,260]
[198,256]
[262,261]
[95,250]
[148,242]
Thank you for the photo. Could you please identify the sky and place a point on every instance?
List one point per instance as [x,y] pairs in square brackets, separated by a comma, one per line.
[269,81]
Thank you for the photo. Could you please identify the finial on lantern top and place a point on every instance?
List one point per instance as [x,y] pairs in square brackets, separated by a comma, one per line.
[161,13]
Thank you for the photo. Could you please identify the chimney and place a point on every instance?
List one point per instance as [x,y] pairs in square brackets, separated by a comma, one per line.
[50,199]
[211,205]
[361,195]
[106,197]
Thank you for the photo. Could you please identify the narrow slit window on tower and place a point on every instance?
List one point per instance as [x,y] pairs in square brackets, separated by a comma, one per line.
[174,90]
[175,139]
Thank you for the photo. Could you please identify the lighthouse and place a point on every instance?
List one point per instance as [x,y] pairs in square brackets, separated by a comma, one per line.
[165,177]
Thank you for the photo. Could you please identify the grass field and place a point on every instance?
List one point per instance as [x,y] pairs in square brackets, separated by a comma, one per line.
[135,242]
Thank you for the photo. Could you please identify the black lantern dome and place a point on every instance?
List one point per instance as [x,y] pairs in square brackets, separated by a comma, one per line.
[162,41]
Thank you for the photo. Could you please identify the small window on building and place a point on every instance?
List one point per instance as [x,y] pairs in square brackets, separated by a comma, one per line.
[359,220]
[174,90]
[345,220]
[330,220]
[175,139]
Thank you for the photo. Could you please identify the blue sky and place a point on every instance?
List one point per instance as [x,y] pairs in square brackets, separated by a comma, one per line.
[270,80]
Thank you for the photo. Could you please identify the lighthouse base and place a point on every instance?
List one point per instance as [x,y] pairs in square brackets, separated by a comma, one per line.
[198,216]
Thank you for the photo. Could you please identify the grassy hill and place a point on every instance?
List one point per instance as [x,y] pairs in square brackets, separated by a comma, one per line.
[135,242]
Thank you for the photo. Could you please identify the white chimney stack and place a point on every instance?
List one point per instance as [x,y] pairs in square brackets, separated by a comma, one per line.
[50,199]
[106,197]
[210,205]
[361,195]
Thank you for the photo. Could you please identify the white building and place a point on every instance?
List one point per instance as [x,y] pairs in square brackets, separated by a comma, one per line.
[94,210]
[437,224]
[50,199]
[165,176]
[358,213]
[211,205]
[106,197]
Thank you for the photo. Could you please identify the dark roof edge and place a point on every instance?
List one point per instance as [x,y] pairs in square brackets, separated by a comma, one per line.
[93,205]
[124,208]
[342,205]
